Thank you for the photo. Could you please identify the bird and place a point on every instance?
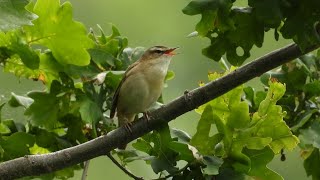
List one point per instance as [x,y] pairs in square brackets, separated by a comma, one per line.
[141,85]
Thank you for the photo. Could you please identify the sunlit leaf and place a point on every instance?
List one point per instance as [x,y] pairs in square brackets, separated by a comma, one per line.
[55,28]
[259,160]
[14,44]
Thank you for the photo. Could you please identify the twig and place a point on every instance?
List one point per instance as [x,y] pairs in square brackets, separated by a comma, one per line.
[33,165]
[125,170]
[85,170]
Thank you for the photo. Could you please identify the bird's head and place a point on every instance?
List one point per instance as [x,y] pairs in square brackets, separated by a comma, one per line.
[157,52]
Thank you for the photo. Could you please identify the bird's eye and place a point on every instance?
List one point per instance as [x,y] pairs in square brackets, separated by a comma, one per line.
[158,51]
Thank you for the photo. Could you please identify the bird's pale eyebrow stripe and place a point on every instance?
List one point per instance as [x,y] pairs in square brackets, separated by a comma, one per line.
[157,48]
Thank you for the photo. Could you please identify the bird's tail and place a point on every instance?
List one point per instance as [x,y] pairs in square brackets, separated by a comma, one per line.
[125,121]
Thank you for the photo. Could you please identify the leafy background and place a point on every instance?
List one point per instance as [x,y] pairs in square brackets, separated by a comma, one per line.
[147,23]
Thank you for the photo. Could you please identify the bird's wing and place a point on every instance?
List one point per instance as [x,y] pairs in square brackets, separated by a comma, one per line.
[116,94]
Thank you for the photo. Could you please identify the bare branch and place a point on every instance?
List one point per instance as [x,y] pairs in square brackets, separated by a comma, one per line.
[39,164]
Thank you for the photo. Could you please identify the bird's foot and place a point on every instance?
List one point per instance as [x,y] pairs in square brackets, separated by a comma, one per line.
[127,126]
[146,115]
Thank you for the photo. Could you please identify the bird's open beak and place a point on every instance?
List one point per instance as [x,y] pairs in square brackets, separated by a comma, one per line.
[171,51]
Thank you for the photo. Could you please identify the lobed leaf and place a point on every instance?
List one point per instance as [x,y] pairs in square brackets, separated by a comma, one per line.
[55,28]
[16,145]
[14,15]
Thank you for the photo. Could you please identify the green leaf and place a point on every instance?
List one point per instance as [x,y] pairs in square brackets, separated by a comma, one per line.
[66,173]
[131,55]
[14,15]
[258,98]
[275,92]
[214,13]
[45,139]
[90,112]
[16,45]
[143,146]
[126,155]
[312,88]
[158,165]
[306,14]
[170,75]
[183,150]
[249,95]
[17,67]
[267,11]
[75,131]
[135,158]
[115,33]
[238,131]
[231,174]
[113,78]
[49,68]
[311,164]
[201,140]
[16,101]
[311,135]
[12,126]
[181,135]
[55,28]
[1,106]
[304,119]
[38,150]
[44,110]
[16,145]
[157,144]
[212,165]
[102,58]
[239,115]
[271,122]
[4,129]
[236,43]
[259,160]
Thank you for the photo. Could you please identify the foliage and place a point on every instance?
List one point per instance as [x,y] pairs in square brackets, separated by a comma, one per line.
[244,143]
[238,133]
[234,30]
[301,102]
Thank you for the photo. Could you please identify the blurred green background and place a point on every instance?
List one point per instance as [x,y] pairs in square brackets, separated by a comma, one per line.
[147,23]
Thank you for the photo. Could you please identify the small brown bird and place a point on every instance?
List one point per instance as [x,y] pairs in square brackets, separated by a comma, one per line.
[141,85]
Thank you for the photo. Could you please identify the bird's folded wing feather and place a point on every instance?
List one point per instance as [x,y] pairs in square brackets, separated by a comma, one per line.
[116,94]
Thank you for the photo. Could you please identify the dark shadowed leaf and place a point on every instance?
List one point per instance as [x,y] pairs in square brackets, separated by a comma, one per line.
[16,145]
[312,163]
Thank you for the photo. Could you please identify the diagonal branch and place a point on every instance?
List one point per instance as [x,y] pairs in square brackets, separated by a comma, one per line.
[32,165]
